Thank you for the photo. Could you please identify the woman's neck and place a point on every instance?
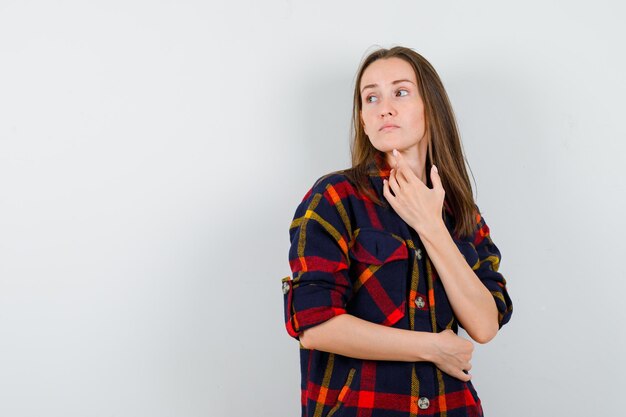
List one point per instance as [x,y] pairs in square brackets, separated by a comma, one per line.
[415,157]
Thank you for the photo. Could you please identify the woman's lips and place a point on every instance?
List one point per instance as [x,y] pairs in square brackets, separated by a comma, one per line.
[387,128]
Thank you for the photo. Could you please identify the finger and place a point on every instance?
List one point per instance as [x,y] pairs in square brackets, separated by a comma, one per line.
[397,157]
[401,166]
[393,182]
[406,173]
[460,374]
[387,192]
[401,175]
[435,178]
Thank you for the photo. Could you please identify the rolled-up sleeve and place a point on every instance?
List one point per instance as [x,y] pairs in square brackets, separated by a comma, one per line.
[318,258]
[487,270]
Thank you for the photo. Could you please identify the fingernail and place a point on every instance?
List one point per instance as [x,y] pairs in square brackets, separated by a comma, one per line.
[395,152]
[435,168]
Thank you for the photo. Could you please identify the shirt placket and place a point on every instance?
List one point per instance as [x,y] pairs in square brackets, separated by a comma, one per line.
[424,385]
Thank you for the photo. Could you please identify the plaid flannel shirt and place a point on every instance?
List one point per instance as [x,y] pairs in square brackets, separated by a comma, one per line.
[349,255]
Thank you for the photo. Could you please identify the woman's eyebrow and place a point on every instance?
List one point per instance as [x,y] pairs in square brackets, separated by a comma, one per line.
[393,83]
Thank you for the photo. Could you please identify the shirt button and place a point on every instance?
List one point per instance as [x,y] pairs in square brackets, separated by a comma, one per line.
[285,287]
[423,403]
[419,253]
[419,302]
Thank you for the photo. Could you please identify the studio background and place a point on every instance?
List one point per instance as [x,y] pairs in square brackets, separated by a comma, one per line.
[152,155]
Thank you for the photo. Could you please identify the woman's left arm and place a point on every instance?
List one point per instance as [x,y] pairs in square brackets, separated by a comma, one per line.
[471,300]
[478,297]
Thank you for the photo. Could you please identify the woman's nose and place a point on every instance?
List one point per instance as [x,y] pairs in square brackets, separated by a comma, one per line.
[386,109]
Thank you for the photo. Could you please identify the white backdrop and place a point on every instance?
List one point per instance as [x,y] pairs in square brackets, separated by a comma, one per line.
[152,155]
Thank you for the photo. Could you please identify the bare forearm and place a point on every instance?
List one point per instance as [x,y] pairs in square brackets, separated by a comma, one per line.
[471,301]
[351,336]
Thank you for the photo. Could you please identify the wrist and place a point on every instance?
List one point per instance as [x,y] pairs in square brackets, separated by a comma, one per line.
[426,343]
[433,231]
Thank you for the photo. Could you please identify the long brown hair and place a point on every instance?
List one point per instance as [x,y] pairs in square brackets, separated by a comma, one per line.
[444,144]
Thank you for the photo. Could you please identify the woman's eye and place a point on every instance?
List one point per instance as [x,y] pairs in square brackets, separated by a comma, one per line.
[370,99]
[403,91]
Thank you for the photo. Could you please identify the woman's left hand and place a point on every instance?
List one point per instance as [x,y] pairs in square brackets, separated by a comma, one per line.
[419,206]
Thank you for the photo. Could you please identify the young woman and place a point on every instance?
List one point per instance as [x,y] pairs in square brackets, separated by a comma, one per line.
[390,256]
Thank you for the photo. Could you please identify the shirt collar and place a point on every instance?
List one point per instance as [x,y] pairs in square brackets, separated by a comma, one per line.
[378,166]
[378,169]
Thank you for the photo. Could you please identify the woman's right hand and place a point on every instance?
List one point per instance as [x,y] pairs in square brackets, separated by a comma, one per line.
[452,354]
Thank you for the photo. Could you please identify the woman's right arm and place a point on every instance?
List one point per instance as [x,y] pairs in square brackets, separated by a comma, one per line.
[315,299]
[351,336]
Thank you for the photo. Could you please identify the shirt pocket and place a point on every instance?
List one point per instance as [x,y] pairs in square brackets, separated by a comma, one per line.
[379,267]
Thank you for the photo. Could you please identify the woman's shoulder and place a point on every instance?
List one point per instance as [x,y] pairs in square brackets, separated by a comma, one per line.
[328,192]
[339,181]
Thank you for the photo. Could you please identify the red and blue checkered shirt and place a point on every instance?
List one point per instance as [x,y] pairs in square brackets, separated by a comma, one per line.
[349,255]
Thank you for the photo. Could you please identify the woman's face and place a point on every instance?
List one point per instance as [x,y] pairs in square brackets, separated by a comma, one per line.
[392,109]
